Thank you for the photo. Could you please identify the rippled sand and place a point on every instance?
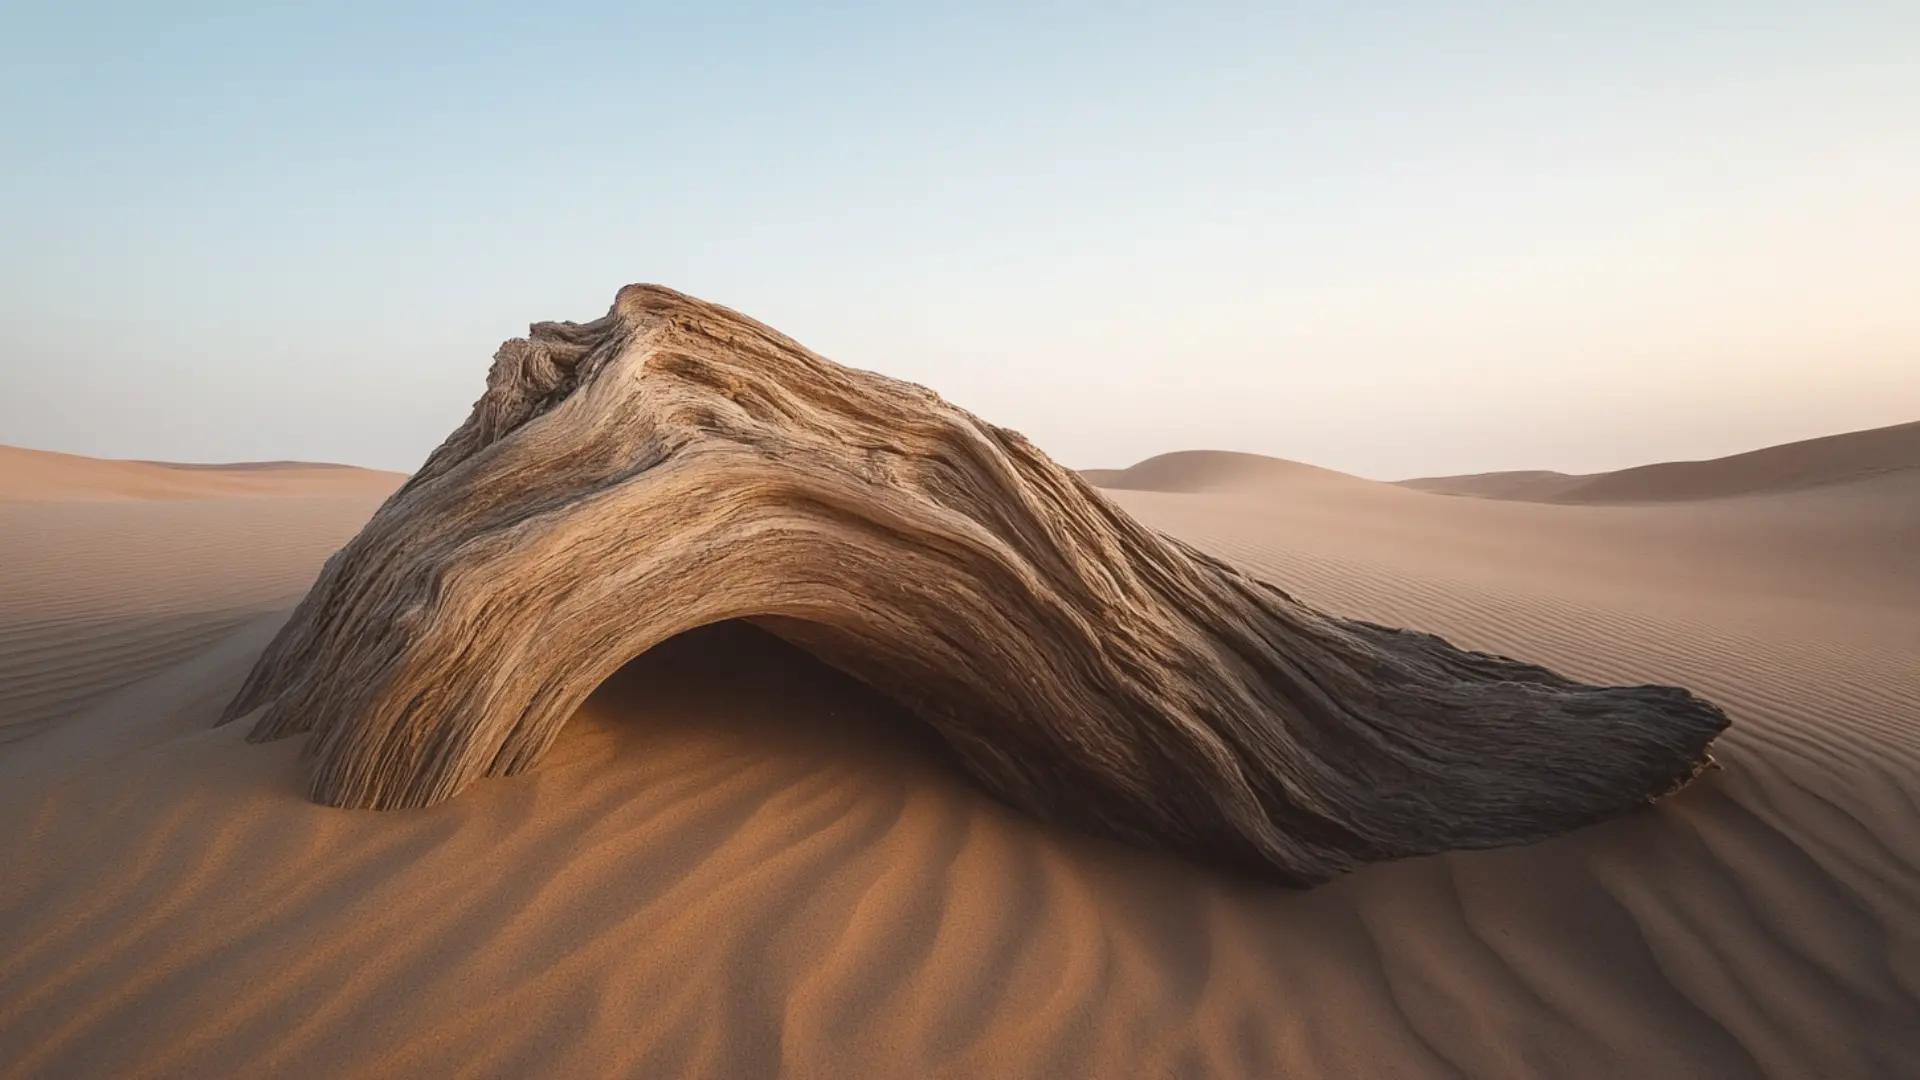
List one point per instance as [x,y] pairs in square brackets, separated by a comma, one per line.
[736,862]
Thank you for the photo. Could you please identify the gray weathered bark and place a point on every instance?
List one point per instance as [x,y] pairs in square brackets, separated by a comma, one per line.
[674,464]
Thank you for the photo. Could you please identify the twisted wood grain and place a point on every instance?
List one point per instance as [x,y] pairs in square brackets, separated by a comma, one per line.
[674,464]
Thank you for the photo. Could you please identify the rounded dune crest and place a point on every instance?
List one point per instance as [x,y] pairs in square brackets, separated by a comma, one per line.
[1194,471]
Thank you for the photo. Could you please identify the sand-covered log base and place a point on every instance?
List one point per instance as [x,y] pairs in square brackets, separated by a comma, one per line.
[675,464]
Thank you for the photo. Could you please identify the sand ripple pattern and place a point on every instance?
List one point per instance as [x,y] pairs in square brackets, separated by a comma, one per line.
[738,863]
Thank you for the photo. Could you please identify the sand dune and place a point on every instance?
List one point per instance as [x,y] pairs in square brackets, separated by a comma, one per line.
[1214,470]
[736,862]
[1834,459]
[1532,485]
[136,571]
[44,476]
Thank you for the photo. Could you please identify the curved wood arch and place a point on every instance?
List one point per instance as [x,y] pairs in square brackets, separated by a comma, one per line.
[675,463]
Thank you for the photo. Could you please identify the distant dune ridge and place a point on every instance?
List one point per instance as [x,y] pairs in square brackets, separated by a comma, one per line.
[1209,470]
[1833,459]
[41,475]
[737,861]
[1531,485]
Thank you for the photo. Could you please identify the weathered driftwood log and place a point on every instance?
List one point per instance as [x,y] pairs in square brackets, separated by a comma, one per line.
[674,464]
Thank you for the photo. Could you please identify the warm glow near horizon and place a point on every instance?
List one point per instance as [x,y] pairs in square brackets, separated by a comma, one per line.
[1396,240]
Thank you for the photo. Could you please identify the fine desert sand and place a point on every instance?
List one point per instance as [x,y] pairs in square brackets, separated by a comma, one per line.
[738,862]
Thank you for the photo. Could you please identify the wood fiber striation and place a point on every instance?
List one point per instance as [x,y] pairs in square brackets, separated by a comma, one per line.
[674,464]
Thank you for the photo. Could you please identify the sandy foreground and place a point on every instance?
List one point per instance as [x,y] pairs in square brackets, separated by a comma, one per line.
[737,862]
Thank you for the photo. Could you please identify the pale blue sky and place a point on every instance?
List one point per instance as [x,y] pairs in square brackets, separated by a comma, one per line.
[1389,238]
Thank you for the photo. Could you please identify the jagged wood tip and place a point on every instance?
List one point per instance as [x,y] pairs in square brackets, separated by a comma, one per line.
[674,464]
